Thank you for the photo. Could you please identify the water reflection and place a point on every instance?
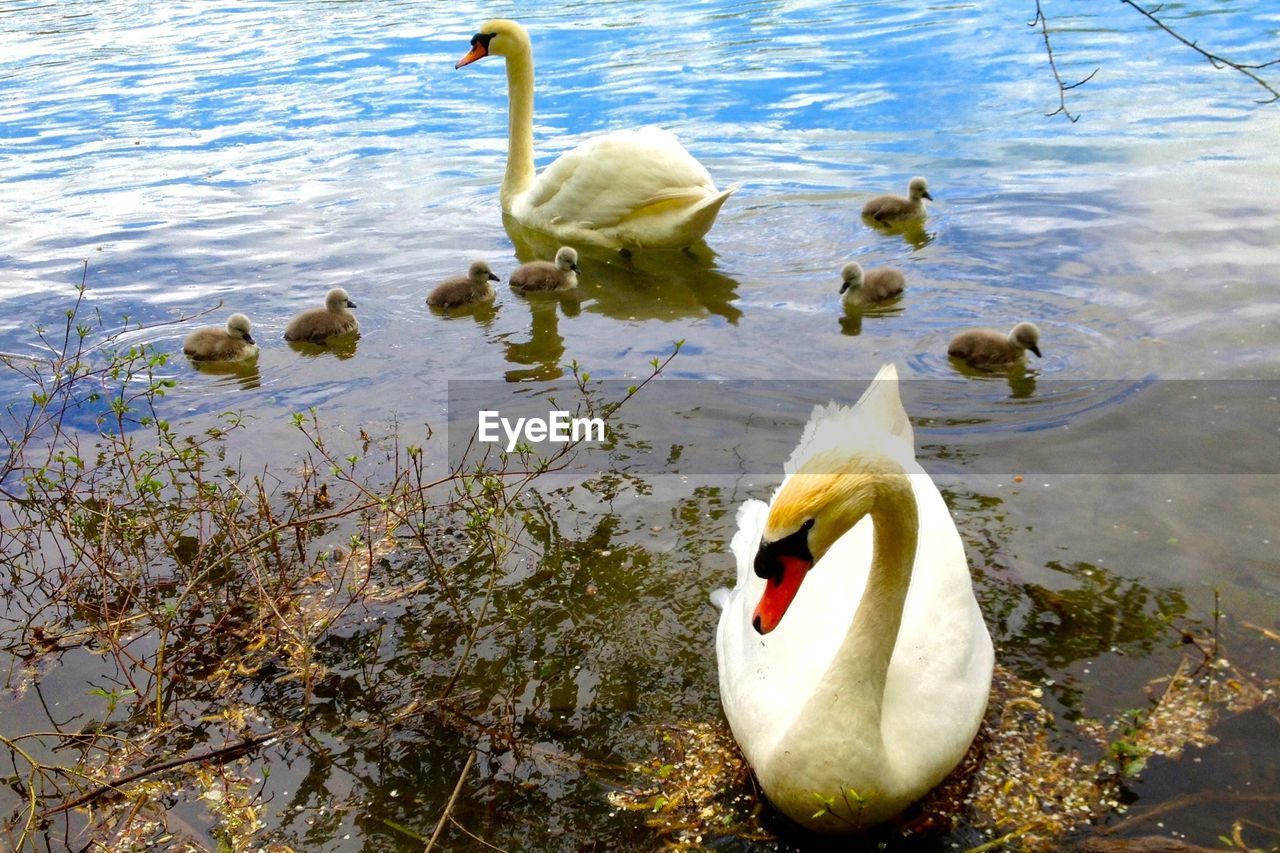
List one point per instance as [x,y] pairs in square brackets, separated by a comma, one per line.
[242,373]
[851,320]
[1020,376]
[341,346]
[912,231]
[643,286]
[483,313]
[539,356]
[1088,611]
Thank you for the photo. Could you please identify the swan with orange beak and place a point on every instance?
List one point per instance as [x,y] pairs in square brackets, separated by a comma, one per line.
[854,662]
[630,189]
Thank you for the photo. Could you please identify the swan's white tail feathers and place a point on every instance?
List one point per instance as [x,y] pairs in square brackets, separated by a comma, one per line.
[882,402]
[878,410]
[700,217]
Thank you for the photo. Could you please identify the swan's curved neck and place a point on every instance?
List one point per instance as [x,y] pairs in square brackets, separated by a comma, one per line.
[854,686]
[520,171]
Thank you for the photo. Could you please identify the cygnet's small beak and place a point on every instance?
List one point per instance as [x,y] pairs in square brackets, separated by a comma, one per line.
[574,267]
[1035,349]
[844,287]
[249,338]
[926,195]
[350,304]
[493,277]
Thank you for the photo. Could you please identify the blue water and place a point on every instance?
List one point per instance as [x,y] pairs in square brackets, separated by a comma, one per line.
[211,157]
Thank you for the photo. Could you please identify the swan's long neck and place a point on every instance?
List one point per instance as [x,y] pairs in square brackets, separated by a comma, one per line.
[520,171]
[873,634]
[852,691]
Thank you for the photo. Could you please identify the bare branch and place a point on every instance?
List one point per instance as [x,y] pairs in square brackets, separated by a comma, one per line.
[1062,87]
[1216,60]
[221,755]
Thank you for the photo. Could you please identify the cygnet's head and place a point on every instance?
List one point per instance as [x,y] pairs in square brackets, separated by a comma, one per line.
[479,273]
[567,259]
[919,188]
[238,327]
[1027,336]
[851,276]
[337,300]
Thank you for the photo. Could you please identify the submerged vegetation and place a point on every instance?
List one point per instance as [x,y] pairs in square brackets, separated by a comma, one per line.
[221,614]
[1020,787]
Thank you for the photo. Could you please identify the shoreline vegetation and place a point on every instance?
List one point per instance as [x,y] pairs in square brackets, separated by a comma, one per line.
[205,594]
[236,620]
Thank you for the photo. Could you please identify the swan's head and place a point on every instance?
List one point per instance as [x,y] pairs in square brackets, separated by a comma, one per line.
[851,276]
[1026,336]
[919,188]
[498,37]
[337,300]
[238,327]
[480,274]
[567,259]
[815,507]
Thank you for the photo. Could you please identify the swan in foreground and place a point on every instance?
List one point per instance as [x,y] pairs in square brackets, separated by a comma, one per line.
[319,324]
[860,289]
[230,343]
[987,347]
[623,190]
[854,661]
[894,208]
[545,276]
[463,290]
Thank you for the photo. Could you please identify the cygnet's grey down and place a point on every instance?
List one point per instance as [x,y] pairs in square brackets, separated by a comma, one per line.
[464,290]
[546,276]
[888,208]
[230,343]
[987,347]
[860,288]
[319,324]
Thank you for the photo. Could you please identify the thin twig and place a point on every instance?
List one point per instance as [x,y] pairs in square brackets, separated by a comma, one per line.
[453,798]
[221,755]
[1216,60]
[1053,65]
[473,836]
[1199,798]
[1217,612]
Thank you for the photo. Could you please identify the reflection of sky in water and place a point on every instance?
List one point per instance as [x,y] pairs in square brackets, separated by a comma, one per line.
[262,153]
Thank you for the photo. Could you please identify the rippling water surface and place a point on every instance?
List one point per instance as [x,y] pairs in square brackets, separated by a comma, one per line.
[217,156]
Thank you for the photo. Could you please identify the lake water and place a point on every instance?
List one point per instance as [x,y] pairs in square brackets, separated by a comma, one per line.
[257,154]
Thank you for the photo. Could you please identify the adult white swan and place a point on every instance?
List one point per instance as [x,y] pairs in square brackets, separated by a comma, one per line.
[870,691]
[622,190]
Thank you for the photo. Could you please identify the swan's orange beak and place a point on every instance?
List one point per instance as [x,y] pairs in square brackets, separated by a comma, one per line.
[479,50]
[779,593]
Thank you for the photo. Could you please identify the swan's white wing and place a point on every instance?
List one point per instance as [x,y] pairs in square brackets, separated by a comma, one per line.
[753,515]
[617,176]
[943,656]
